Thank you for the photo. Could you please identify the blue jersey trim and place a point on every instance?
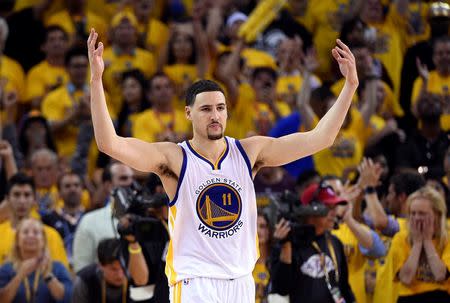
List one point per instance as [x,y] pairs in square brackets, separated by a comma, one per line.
[244,155]
[180,178]
[220,160]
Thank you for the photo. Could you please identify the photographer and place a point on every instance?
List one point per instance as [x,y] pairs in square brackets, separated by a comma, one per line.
[309,264]
[142,217]
[106,281]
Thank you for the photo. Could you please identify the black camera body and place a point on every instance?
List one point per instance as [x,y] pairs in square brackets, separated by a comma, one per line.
[288,206]
[134,201]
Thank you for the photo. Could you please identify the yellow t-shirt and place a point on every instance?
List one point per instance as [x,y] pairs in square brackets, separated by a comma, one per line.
[261,276]
[390,106]
[54,243]
[347,150]
[55,107]
[250,117]
[156,35]
[436,85]
[12,73]
[391,45]
[67,22]
[44,78]
[116,64]
[181,73]
[149,124]
[53,195]
[55,6]
[324,19]
[355,259]
[288,86]
[423,281]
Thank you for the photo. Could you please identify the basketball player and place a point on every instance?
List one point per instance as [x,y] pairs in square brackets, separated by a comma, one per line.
[209,180]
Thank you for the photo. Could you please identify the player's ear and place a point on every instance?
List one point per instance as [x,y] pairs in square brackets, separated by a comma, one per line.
[187,111]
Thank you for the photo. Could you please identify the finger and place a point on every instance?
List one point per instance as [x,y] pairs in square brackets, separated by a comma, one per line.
[418,63]
[335,54]
[348,52]
[341,51]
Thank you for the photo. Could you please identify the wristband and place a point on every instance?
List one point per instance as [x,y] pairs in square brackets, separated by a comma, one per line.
[134,251]
[48,278]
[369,190]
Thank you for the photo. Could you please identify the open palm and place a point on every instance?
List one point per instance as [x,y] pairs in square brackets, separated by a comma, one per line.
[95,55]
[346,61]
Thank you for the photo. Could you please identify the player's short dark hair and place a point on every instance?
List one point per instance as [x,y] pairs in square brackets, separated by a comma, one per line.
[201,86]
[407,182]
[108,251]
[20,179]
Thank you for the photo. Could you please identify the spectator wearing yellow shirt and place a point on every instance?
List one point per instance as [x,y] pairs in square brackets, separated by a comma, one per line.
[34,133]
[261,272]
[153,34]
[389,39]
[360,242]
[437,81]
[324,20]
[65,219]
[257,112]
[347,150]
[135,100]
[124,55]
[185,57]
[292,61]
[68,105]
[20,198]
[401,185]
[50,73]
[44,170]
[420,256]
[12,76]
[77,21]
[162,122]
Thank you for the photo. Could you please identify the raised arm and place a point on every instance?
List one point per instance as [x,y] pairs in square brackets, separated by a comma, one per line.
[138,154]
[279,151]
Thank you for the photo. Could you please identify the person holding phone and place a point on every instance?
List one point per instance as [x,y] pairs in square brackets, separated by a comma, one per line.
[31,275]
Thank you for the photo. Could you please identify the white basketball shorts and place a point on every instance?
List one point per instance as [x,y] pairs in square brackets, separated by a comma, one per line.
[207,290]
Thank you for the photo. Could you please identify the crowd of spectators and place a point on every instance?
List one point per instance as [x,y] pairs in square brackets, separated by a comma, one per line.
[389,165]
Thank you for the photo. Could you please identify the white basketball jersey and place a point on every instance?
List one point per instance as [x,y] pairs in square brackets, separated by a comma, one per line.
[212,218]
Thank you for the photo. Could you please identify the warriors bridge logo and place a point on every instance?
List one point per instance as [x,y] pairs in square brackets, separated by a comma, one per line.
[219,208]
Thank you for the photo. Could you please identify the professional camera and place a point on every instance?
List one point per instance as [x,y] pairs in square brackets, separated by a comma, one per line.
[134,201]
[288,206]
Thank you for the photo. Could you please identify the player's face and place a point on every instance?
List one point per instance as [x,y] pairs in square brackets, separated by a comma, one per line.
[208,115]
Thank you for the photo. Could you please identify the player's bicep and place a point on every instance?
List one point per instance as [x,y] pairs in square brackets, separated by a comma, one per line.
[141,155]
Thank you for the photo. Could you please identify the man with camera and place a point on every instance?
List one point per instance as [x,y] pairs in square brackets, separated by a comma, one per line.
[142,215]
[106,281]
[311,265]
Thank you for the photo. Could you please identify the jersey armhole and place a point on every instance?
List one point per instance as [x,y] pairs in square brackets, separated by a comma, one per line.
[244,155]
[180,178]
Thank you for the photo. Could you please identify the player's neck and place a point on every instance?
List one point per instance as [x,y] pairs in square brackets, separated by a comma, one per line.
[211,149]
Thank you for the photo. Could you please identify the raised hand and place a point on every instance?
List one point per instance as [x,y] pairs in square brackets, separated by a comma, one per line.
[282,229]
[95,56]
[422,69]
[416,228]
[428,227]
[369,173]
[5,149]
[346,62]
